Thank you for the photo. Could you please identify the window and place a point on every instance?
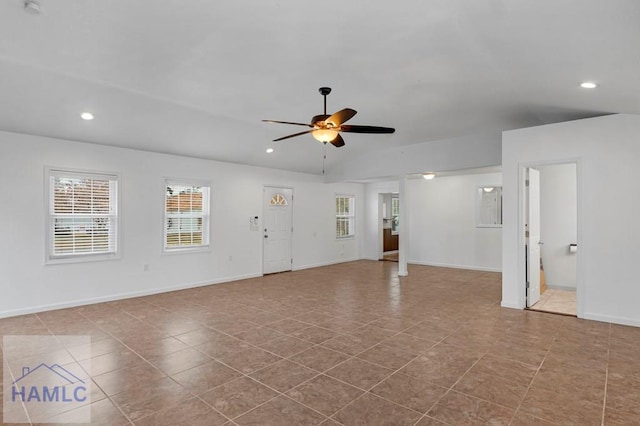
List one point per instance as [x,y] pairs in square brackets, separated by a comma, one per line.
[489,206]
[345,216]
[186,215]
[278,200]
[395,215]
[82,215]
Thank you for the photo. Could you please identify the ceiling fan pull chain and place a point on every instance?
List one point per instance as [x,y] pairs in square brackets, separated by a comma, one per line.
[324,154]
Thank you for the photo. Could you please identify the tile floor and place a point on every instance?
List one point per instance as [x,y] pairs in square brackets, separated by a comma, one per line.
[348,344]
[558,301]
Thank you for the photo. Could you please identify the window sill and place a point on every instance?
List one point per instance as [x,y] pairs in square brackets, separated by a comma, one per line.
[81,258]
[186,250]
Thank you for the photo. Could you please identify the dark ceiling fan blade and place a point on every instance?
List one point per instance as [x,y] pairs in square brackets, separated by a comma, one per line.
[287,122]
[293,135]
[338,141]
[341,116]
[366,129]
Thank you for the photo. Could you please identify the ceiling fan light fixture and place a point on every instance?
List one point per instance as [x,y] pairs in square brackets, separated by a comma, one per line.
[86,116]
[324,135]
[269,150]
[588,85]
[428,176]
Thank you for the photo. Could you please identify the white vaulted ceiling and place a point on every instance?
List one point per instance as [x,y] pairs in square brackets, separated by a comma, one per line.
[196,77]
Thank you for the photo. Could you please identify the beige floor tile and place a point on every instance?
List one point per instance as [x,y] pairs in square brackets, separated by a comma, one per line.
[371,410]
[319,358]
[283,375]
[238,396]
[344,330]
[458,409]
[324,394]
[359,373]
[281,411]
[415,393]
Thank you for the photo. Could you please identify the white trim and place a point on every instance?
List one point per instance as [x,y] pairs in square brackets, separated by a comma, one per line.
[331,262]
[611,319]
[521,200]
[511,305]
[396,197]
[479,192]
[50,260]
[561,287]
[121,296]
[447,265]
[352,215]
[206,227]
[264,216]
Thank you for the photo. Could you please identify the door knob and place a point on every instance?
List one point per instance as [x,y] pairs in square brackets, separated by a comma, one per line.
[266,236]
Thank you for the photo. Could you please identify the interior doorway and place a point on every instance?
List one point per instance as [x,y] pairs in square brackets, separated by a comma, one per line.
[390,223]
[278,229]
[551,238]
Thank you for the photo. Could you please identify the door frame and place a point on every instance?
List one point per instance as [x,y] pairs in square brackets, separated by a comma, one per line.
[522,255]
[532,277]
[264,216]
[379,225]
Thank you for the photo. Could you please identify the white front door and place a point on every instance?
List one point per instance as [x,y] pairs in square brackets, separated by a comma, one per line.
[278,229]
[533,244]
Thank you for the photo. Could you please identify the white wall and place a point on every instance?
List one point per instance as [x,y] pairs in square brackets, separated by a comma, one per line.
[28,285]
[386,213]
[373,217]
[442,222]
[443,226]
[606,150]
[461,153]
[558,224]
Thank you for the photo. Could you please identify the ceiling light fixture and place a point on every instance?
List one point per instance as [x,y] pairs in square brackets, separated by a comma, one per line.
[428,176]
[324,135]
[32,7]
[488,188]
[588,85]
[86,116]
[269,150]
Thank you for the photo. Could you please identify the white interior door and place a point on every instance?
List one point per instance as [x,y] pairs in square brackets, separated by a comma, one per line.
[533,252]
[278,229]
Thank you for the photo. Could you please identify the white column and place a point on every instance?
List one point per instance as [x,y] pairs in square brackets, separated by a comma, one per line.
[403,234]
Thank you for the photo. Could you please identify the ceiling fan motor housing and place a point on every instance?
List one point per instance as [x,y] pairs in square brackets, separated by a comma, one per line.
[319,118]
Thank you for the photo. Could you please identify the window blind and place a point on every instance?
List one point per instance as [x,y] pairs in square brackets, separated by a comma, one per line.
[345,216]
[186,215]
[82,214]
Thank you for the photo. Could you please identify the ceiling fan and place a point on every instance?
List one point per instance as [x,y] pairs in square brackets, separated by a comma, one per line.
[325,128]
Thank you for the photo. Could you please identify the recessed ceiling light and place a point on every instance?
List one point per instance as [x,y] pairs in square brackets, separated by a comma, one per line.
[588,85]
[269,150]
[428,176]
[86,116]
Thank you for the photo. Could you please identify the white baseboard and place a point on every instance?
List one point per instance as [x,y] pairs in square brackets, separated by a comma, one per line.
[332,262]
[511,305]
[121,296]
[561,287]
[446,265]
[612,319]
[370,258]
